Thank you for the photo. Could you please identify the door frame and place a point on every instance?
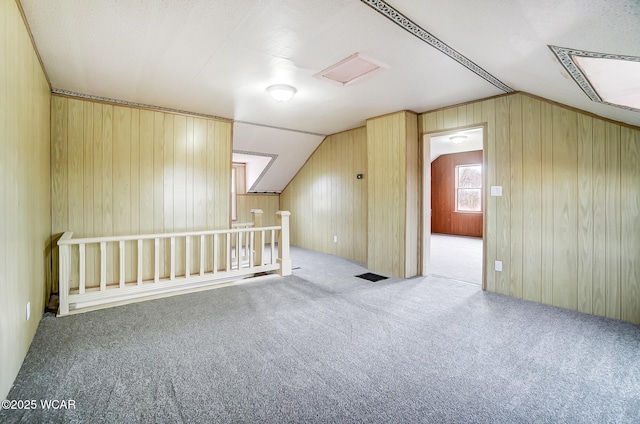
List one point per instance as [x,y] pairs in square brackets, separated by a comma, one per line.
[425,203]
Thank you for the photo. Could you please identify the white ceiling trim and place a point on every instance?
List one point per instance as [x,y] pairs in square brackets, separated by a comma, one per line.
[134,104]
[408,25]
[565,57]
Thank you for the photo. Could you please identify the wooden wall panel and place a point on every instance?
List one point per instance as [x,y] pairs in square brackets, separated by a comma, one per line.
[612,220]
[503,204]
[490,203]
[585,219]
[546,201]
[392,163]
[598,208]
[630,205]
[118,170]
[412,195]
[269,203]
[565,194]
[386,165]
[567,226]
[532,188]
[516,197]
[326,199]
[25,186]
[444,219]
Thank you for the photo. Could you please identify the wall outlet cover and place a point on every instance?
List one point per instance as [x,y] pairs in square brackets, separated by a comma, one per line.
[498,265]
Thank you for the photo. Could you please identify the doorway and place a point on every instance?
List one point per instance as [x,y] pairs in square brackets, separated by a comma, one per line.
[453,204]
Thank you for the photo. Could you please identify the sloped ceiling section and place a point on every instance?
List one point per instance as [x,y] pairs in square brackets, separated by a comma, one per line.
[288,150]
[412,28]
[216,58]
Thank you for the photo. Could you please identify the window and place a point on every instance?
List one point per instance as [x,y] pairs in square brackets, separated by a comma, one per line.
[237,187]
[469,188]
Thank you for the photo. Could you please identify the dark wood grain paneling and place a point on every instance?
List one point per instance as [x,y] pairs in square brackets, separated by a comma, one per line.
[444,219]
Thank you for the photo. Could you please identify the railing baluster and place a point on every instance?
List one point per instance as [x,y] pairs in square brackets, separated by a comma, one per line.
[215,253]
[284,258]
[140,249]
[82,268]
[121,263]
[64,263]
[103,266]
[273,247]
[187,256]
[259,237]
[238,249]
[261,247]
[156,260]
[228,268]
[247,252]
[201,255]
[172,276]
[251,240]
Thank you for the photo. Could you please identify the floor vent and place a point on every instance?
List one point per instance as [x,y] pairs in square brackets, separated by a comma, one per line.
[372,277]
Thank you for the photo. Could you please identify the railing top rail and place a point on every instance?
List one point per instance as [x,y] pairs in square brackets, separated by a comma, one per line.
[242,224]
[66,237]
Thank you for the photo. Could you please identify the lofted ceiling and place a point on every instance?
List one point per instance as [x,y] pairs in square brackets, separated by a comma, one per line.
[216,58]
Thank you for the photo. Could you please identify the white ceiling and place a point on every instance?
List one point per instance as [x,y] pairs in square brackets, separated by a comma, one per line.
[287,152]
[216,57]
[441,144]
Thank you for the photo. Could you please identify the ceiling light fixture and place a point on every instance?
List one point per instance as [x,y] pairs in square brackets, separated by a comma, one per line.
[281,92]
[457,139]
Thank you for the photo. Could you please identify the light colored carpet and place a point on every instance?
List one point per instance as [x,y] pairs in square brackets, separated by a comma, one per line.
[323,346]
[457,257]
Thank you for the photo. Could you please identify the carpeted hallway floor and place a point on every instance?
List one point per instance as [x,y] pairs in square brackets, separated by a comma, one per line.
[457,257]
[323,346]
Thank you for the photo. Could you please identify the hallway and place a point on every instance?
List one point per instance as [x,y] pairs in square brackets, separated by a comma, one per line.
[457,257]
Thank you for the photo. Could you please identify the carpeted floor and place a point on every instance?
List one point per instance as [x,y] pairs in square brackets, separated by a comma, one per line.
[324,346]
[457,257]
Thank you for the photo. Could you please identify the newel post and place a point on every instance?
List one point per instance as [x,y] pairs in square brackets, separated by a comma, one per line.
[257,241]
[284,258]
[64,269]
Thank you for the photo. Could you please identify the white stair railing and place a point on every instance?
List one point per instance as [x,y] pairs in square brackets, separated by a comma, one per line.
[230,254]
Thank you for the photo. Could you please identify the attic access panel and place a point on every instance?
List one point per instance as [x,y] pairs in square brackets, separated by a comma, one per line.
[351,69]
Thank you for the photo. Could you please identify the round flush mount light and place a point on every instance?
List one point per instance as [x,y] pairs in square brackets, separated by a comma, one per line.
[457,139]
[281,92]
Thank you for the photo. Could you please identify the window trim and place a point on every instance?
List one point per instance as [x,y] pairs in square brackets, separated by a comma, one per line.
[456,189]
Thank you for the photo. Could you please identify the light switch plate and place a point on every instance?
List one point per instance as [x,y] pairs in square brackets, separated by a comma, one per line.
[496,190]
[498,265]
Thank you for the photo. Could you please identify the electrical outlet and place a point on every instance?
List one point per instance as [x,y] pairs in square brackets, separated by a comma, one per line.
[28,310]
[496,190]
[498,265]
[335,239]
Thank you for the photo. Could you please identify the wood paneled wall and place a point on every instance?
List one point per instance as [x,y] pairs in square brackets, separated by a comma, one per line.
[444,218]
[393,191]
[25,224]
[567,228]
[326,199]
[269,203]
[119,170]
